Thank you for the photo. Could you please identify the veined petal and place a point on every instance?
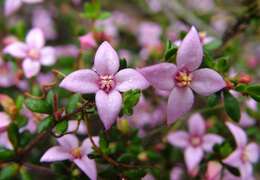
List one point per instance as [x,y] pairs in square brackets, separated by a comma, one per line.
[88,166]
[68,142]
[127,79]
[31,68]
[16,49]
[55,153]
[234,158]
[106,60]
[190,52]
[252,151]
[238,133]
[108,106]
[180,101]
[160,75]
[48,56]
[196,124]
[192,157]
[206,82]
[209,140]
[179,139]
[35,38]
[81,81]
[11,6]
[86,146]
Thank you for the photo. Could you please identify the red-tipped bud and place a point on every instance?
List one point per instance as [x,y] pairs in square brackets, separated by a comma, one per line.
[244,78]
[229,84]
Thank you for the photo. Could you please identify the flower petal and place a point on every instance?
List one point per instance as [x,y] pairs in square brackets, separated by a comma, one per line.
[48,56]
[108,106]
[106,60]
[209,140]
[196,124]
[88,166]
[252,151]
[16,49]
[127,79]
[234,158]
[193,156]
[31,68]
[55,153]
[4,141]
[246,171]
[35,38]
[190,52]
[160,75]
[73,125]
[32,1]
[81,81]
[86,146]
[5,120]
[238,133]
[246,120]
[180,101]
[179,139]
[11,6]
[68,142]
[206,81]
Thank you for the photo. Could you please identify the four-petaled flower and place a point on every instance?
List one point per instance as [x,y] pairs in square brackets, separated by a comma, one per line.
[184,78]
[195,142]
[69,149]
[106,82]
[33,52]
[244,155]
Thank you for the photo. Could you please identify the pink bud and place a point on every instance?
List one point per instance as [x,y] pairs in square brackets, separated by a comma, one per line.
[87,41]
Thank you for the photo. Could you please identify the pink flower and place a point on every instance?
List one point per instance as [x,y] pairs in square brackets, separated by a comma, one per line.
[4,123]
[184,78]
[11,6]
[33,53]
[195,142]
[106,82]
[69,149]
[73,125]
[213,171]
[87,41]
[176,173]
[7,74]
[244,155]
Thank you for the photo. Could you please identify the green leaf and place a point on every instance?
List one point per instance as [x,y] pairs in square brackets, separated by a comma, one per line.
[45,124]
[73,101]
[61,127]
[125,158]
[123,64]
[39,106]
[9,171]
[170,53]
[241,88]
[21,120]
[213,45]
[104,15]
[13,134]
[49,97]
[208,61]
[91,10]
[6,154]
[253,90]
[222,64]
[19,102]
[213,100]
[130,99]
[232,107]
[135,174]
[24,174]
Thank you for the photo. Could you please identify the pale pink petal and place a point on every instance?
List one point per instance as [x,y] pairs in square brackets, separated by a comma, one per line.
[127,79]
[11,6]
[35,38]
[252,151]
[176,173]
[16,49]
[88,166]
[192,157]
[234,159]
[31,67]
[246,171]
[4,141]
[81,81]
[32,1]
[106,60]
[206,82]
[179,139]
[55,153]
[73,125]
[246,120]
[48,56]
[196,124]
[213,171]
[161,76]
[238,133]
[68,142]
[108,106]
[180,101]
[209,140]
[5,120]
[190,52]
[86,146]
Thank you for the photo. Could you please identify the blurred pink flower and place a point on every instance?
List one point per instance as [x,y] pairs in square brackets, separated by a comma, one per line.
[213,171]
[33,53]
[184,78]
[11,6]
[195,142]
[176,173]
[73,125]
[69,149]
[66,50]
[7,74]
[87,41]
[106,82]
[244,155]
[4,123]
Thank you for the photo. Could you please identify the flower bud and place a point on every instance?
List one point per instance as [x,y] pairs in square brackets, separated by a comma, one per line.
[229,84]
[142,156]
[8,105]
[245,78]
[123,126]
[213,170]
[87,41]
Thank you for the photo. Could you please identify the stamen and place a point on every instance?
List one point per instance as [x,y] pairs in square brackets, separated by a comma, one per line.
[106,82]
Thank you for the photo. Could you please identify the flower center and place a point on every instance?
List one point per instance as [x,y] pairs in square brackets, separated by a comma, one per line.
[202,36]
[244,156]
[183,78]
[33,54]
[106,82]
[195,141]
[76,153]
